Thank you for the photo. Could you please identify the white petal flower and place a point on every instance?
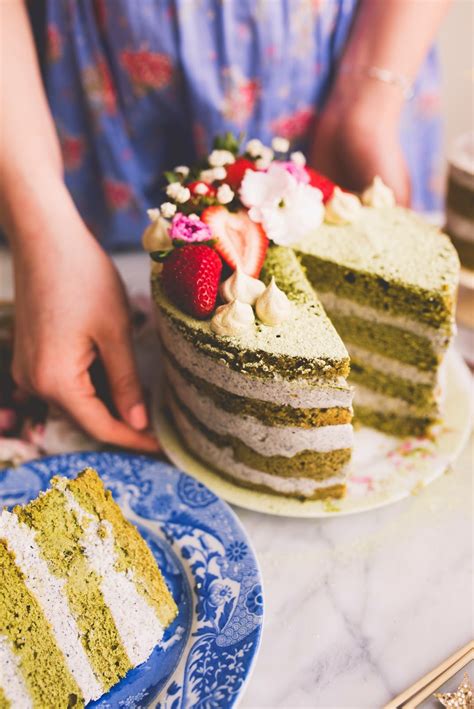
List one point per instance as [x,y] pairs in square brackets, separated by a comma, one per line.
[219,158]
[207,176]
[265,189]
[201,188]
[254,147]
[295,217]
[225,194]
[219,173]
[168,210]
[183,195]
[182,170]
[280,145]
[298,158]
[174,189]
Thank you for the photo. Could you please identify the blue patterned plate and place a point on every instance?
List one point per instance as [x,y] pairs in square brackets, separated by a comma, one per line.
[207,654]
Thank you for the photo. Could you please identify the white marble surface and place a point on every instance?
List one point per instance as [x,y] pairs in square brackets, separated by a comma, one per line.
[359,607]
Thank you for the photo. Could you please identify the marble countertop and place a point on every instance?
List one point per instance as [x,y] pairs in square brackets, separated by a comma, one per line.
[360,607]
[357,607]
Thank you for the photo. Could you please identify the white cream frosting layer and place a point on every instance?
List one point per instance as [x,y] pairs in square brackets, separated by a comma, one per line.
[389,366]
[11,679]
[459,226]
[298,394]
[223,459]
[346,307]
[135,619]
[389,404]
[266,440]
[51,596]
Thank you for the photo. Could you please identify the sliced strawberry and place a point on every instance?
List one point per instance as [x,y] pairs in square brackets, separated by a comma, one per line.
[190,278]
[323,183]
[236,172]
[241,242]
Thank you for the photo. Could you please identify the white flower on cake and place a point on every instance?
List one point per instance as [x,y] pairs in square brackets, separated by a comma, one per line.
[232,319]
[156,236]
[182,170]
[201,188]
[273,306]
[225,194]
[298,158]
[342,208]
[239,286]
[219,158]
[168,210]
[288,210]
[176,191]
[378,194]
[280,145]
[254,147]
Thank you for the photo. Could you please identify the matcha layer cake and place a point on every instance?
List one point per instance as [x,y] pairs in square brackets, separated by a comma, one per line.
[269,408]
[82,600]
[388,284]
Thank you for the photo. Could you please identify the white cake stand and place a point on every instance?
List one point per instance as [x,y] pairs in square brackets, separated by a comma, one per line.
[383,470]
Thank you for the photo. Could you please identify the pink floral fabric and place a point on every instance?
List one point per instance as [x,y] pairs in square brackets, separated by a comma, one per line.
[138,86]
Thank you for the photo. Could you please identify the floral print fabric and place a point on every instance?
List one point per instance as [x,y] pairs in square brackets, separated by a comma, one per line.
[138,87]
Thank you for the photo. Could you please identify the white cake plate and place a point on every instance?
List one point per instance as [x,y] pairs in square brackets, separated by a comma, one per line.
[383,469]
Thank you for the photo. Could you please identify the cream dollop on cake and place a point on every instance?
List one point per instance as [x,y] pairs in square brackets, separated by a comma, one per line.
[273,306]
[241,287]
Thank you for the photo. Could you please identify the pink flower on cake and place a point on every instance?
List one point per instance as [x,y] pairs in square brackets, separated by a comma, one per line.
[189,229]
[298,171]
[288,210]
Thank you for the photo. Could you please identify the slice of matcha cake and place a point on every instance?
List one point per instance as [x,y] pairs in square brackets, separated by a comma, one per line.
[82,600]
[268,407]
[388,284]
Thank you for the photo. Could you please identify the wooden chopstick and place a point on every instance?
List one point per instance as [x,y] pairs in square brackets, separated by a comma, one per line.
[412,697]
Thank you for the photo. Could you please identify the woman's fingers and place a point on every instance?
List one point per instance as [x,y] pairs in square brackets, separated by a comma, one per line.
[94,417]
[118,359]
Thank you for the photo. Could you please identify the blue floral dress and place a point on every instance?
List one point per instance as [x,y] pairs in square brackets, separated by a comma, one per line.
[138,86]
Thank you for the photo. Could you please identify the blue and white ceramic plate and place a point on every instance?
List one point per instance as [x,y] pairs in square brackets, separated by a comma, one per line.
[207,654]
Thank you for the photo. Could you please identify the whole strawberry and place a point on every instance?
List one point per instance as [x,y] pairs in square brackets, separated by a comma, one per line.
[190,278]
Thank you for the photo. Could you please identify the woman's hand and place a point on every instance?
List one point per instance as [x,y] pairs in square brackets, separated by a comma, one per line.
[70,308]
[357,137]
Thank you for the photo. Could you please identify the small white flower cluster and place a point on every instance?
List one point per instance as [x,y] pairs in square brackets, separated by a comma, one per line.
[219,158]
[178,192]
[262,153]
[213,174]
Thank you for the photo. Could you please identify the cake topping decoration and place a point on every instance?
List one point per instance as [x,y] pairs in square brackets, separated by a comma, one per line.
[191,276]
[189,229]
[378,194]
[273,306]
[236,201]
[232,319]
[241,243]
[239,286]
[342,208]
[156,236]
[287,209]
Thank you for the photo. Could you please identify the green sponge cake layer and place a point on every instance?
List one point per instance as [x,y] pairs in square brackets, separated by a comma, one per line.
[267,412]
[305,346]
[239,464]
[34,671]
[90,588]
[394,424]
[389,259]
